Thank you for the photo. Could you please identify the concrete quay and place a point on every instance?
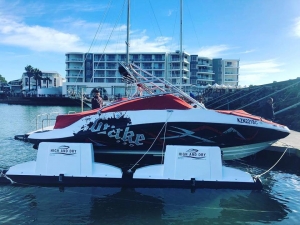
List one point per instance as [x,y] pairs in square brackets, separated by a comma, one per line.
[292,141]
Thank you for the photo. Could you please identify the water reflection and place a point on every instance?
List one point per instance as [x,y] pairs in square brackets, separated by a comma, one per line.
[141,205]
[205,206]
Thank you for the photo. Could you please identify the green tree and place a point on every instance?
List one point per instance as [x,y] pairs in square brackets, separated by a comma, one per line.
[47,79]
[37,75]
[29,72]
[2,79]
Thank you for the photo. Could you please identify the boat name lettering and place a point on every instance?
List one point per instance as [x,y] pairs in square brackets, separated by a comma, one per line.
[245,120]
[119,134]
[195,155]
[126,136]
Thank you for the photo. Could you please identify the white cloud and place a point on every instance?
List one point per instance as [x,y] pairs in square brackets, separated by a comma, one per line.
[37,38]
[259,72]
[46,39]
[80,7]
[296,28]
[212,51]
[248,51]
[170,12]
[141,44]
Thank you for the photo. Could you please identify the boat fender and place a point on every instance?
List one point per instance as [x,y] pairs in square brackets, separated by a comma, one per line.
[222,155]
[193,181]
[193,185]
[128,174]
[36,146]
[60,177]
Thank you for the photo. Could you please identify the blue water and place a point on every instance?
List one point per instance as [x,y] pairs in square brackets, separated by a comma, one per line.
[277,203]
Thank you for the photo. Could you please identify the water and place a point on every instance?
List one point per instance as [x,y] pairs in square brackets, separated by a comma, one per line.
[277,203]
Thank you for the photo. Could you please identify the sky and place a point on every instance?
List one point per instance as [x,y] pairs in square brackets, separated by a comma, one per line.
[263,34]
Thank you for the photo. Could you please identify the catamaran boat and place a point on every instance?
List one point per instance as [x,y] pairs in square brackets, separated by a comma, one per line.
[160,114]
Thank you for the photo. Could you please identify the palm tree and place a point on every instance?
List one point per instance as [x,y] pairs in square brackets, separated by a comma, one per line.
[47,79]
[29,71]
[38,77]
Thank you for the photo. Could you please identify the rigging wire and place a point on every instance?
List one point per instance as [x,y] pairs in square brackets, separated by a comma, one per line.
[163,146]
[114,27]
[95,36]
[192,21]
[269,95]
[130,170]
[104,17]
[155,18]
[173,34]
[239,98]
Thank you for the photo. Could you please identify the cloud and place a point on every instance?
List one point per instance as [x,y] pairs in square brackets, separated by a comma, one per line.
[212,51]
[141,44]
[259,72]
[248,51]
[37,38]
[296,29]
[74,35]
[79,7]
[170,12]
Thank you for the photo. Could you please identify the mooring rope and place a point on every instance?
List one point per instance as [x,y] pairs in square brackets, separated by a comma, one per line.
[259,175]
[5,176]
[163,146]
[130,170]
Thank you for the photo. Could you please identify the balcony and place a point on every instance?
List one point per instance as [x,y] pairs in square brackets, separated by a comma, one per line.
[74,68]
[98,59]
[231,80]
[99,80]
[75,59]
[205,71]
[204,64]
[74,75]
[231,73]
[111,75]
[204,78]
[99,67]
[147,59]
[231,65]
[99,75]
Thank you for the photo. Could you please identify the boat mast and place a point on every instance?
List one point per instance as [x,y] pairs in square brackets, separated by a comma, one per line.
[127,41]
[180,52]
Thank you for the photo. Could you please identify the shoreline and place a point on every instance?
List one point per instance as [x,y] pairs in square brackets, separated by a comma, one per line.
[42,101]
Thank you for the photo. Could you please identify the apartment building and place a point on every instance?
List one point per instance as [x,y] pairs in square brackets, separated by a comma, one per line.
[230,71]
[85,71]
